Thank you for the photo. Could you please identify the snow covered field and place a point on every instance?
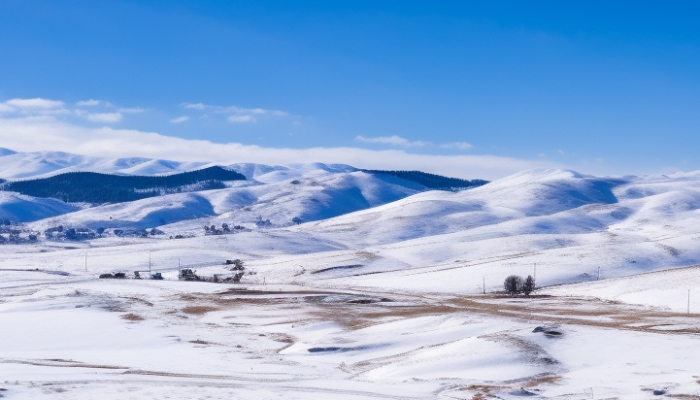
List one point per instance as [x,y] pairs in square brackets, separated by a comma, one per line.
[380,301]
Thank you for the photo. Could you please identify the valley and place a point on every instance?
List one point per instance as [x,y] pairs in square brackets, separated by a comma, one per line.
[384,289]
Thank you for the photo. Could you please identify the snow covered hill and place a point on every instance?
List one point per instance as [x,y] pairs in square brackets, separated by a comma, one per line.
[17,207]
[538,201]
[567,222]
[306,193]
[280,194]
[17,165]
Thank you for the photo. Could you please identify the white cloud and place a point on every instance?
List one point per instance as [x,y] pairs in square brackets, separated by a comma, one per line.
[104,117]
[240,118]
[235,110]
[457,145]
[258,111]
[194,106]
[46,133]
[36,104]
[131,110]
[180,120]
[392,140]
[88,103]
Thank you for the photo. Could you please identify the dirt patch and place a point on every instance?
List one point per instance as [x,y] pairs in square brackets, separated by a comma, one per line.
[198,310]
[132,317]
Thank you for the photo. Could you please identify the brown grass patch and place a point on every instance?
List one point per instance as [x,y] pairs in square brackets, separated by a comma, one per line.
[549,380]
[198,310]
[203,342]
[132,317]
[362,316]
[483,392]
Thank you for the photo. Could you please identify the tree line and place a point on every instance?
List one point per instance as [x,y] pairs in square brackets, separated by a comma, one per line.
[430,181]
[96,188]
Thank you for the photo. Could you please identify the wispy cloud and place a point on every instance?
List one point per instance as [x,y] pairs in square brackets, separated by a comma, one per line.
[133,110]
[241,118]
[36,106]
[46,107]
[194,106]
[36,103]
[88,103]
[457,145]
[234,109]
[392,140]
[180,120]
[237,114]
[256,111]
[104,117]
[49,133]
[403,142]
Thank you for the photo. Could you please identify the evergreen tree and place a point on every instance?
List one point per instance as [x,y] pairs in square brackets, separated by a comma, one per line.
[529,285]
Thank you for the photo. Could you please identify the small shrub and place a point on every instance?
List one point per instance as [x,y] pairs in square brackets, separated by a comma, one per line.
[132,317]
[198,310]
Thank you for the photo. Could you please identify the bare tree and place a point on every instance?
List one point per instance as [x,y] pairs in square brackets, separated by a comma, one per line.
[513,284]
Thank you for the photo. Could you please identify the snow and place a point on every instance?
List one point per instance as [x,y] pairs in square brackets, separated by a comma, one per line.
[17,207]
[407,321]
[323,195]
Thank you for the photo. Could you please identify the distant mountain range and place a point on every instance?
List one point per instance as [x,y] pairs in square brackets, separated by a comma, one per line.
[299,192]
[568,223]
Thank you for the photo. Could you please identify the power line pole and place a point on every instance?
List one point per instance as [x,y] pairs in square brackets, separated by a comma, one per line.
[688,301]
[86,261]
[534,276]
[149,263]
[598,278]
[484,281]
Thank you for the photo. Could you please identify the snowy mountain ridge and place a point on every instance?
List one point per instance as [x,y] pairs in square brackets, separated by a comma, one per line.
[34,165]
[281,194]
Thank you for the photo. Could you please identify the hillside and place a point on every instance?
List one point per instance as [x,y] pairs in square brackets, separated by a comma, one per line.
[386,301]
[95,188]
[430,181]
[280,194]
[309,194]
[16,207]
[34,165]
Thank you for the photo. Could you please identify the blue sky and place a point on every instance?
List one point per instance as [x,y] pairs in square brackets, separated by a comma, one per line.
[602,87]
